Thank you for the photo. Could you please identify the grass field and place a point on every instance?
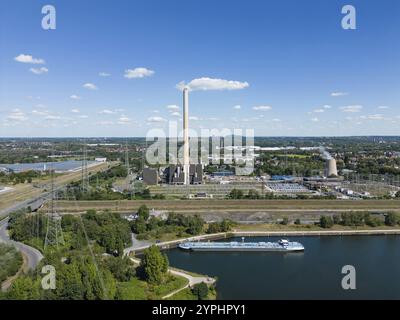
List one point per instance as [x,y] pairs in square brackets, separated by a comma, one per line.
[137,289]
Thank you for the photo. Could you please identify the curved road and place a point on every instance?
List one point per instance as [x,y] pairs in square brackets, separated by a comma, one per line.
[33,255]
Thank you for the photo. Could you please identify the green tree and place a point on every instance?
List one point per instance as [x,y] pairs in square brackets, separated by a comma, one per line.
[154,265]
[326,222]
[143,212]
[297,221]
[336,219]
[200,290]
[236,194]
[24,288]
[285,221]
[391,219]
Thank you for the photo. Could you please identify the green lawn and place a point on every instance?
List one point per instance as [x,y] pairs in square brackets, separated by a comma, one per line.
[136,289]
[187,294]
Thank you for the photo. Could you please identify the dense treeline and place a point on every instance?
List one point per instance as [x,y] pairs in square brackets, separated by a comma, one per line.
[10,261]
[108,229]
[359,219]
[147,227]
[21,177]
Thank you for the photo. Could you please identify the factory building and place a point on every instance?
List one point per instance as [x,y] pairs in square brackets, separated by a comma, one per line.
[150,176]
[175,174]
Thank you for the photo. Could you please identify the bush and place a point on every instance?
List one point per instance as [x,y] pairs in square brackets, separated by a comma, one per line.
[391,219]
[285,221]
[326,222]
[200,290]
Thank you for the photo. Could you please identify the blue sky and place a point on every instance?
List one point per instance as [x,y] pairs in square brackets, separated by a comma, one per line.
[281,61]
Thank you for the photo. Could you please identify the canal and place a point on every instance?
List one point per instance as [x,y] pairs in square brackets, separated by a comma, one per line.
[314,274]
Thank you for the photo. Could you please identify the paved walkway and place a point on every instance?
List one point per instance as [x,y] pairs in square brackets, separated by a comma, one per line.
[192,280]
[33,255]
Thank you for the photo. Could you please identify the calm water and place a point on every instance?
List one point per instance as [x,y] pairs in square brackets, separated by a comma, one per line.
[314,274]
[41,166]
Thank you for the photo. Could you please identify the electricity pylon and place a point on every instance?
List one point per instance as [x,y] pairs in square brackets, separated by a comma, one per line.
[85,176]
[54,234]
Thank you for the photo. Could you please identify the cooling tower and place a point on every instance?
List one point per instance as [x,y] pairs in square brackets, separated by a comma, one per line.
[330,168]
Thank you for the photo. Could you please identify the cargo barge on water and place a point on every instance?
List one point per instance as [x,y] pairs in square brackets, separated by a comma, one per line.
[282,245]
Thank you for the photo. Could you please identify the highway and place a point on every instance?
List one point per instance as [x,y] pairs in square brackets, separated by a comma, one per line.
[35,200]
[33,255]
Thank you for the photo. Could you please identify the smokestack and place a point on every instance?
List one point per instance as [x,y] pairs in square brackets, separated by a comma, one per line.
[186,164]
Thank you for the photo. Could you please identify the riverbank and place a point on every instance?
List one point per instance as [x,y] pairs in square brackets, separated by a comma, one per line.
[266,233]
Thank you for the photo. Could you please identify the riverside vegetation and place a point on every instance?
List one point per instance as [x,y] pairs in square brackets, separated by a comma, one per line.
[90,264]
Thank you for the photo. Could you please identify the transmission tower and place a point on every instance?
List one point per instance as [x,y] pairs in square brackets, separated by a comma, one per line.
[85,176]
[127,181]
[54,234]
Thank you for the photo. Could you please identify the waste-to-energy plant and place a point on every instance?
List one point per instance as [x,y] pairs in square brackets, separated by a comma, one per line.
[183,173]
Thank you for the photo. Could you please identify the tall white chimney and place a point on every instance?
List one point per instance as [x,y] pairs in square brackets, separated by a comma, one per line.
[186,164]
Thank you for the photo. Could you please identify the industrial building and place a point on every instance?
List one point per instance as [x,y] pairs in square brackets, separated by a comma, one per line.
[150,176]
[184,173]
[175,174]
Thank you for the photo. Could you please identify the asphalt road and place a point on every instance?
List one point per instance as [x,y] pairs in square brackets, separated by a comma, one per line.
[33,255]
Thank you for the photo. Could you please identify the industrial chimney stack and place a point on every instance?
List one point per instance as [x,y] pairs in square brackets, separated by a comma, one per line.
[186,163]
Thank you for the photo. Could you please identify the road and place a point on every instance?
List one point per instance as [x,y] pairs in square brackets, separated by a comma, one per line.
[24,195]
[33,255]
[34,197]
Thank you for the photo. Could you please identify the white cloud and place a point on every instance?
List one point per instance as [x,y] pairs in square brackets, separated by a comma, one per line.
[17,115]
[237,107]
[107,111]
[262,108]
[276,120]
[206,83]
[156,119]
[26,58]
[327,107]
[173,107]
[138,73]
[123,120]
[105,123]
[352,109]
[314,119]
[41,70]
[175,114]
[104,74]
[83,116]
[339,94]
[373,117]
[194,118]
[75,97]
[90,86]
[75,110]
[52,117]
[319,110]
[383,107]
[39,113]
